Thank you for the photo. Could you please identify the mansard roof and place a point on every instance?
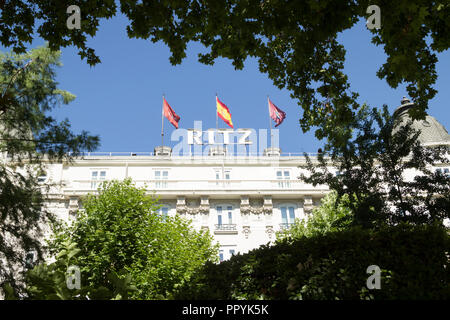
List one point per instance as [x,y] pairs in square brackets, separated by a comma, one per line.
[432,132]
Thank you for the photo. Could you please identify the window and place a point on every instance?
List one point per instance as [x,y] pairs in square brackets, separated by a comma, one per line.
[283,175]
[163,212]
[42,177]
[30,259]
[223,175]
[161,175]
[230,214]
[219,215]
[225,218]
[287,216]
[97,176]
[445,171]
[226,252]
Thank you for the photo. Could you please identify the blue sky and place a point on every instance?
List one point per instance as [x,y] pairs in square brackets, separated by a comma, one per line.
[120,99]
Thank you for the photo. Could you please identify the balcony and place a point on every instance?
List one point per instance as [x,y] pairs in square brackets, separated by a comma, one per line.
[229,228]
[174,185]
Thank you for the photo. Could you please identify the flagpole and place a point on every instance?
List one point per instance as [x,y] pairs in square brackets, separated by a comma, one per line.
[162,123]
[217,116]
[270,121]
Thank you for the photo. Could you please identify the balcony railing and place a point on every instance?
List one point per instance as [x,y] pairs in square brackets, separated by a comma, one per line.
[226,227]
[199,184]
[190,154]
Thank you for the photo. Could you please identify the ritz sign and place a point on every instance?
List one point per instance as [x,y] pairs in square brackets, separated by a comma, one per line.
[202,141]
[195,136]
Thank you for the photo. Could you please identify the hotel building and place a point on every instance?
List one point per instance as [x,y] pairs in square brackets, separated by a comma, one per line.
[241,200]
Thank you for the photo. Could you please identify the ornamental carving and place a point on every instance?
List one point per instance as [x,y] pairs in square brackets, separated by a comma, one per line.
[192,206]
[246,231]
[74,206]
[256,206]
[308,205]
[270,231]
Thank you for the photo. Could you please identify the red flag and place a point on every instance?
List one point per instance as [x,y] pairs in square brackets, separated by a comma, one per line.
[276,113]
[170,114]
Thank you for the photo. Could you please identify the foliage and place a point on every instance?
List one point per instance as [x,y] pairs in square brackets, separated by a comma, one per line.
[120,233]
[414,262]
[330,216]
[27,133]
[49,281]
[374,163]
[29,93]
[295,42]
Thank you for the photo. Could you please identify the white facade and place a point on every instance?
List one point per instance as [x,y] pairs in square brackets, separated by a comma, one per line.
[242,201]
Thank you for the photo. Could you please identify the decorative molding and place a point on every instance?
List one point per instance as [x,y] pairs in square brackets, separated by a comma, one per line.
[204,205]
[270,231]
[268,205]
[74,205]
[256,206]
[192,206]
[246,231]
[245,205]
[308,204]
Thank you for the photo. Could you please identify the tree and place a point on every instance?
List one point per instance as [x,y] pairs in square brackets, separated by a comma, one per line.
[413,260]
[120,233]
[49,281]
[373,164]
[330,216]
[295,42]
[27,136]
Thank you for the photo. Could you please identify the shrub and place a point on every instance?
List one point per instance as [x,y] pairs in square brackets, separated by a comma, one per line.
[414,262]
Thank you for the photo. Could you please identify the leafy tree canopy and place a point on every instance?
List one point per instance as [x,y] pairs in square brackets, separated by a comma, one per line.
[295,42]
[28,93]
[120,233]
[330,216]
[387,175]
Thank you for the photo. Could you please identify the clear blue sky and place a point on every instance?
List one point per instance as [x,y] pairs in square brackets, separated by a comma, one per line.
[120,99]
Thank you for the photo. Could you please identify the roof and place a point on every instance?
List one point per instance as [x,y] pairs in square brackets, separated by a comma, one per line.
[432,132]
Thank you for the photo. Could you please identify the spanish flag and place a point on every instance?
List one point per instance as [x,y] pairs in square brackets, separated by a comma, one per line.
[223,112]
